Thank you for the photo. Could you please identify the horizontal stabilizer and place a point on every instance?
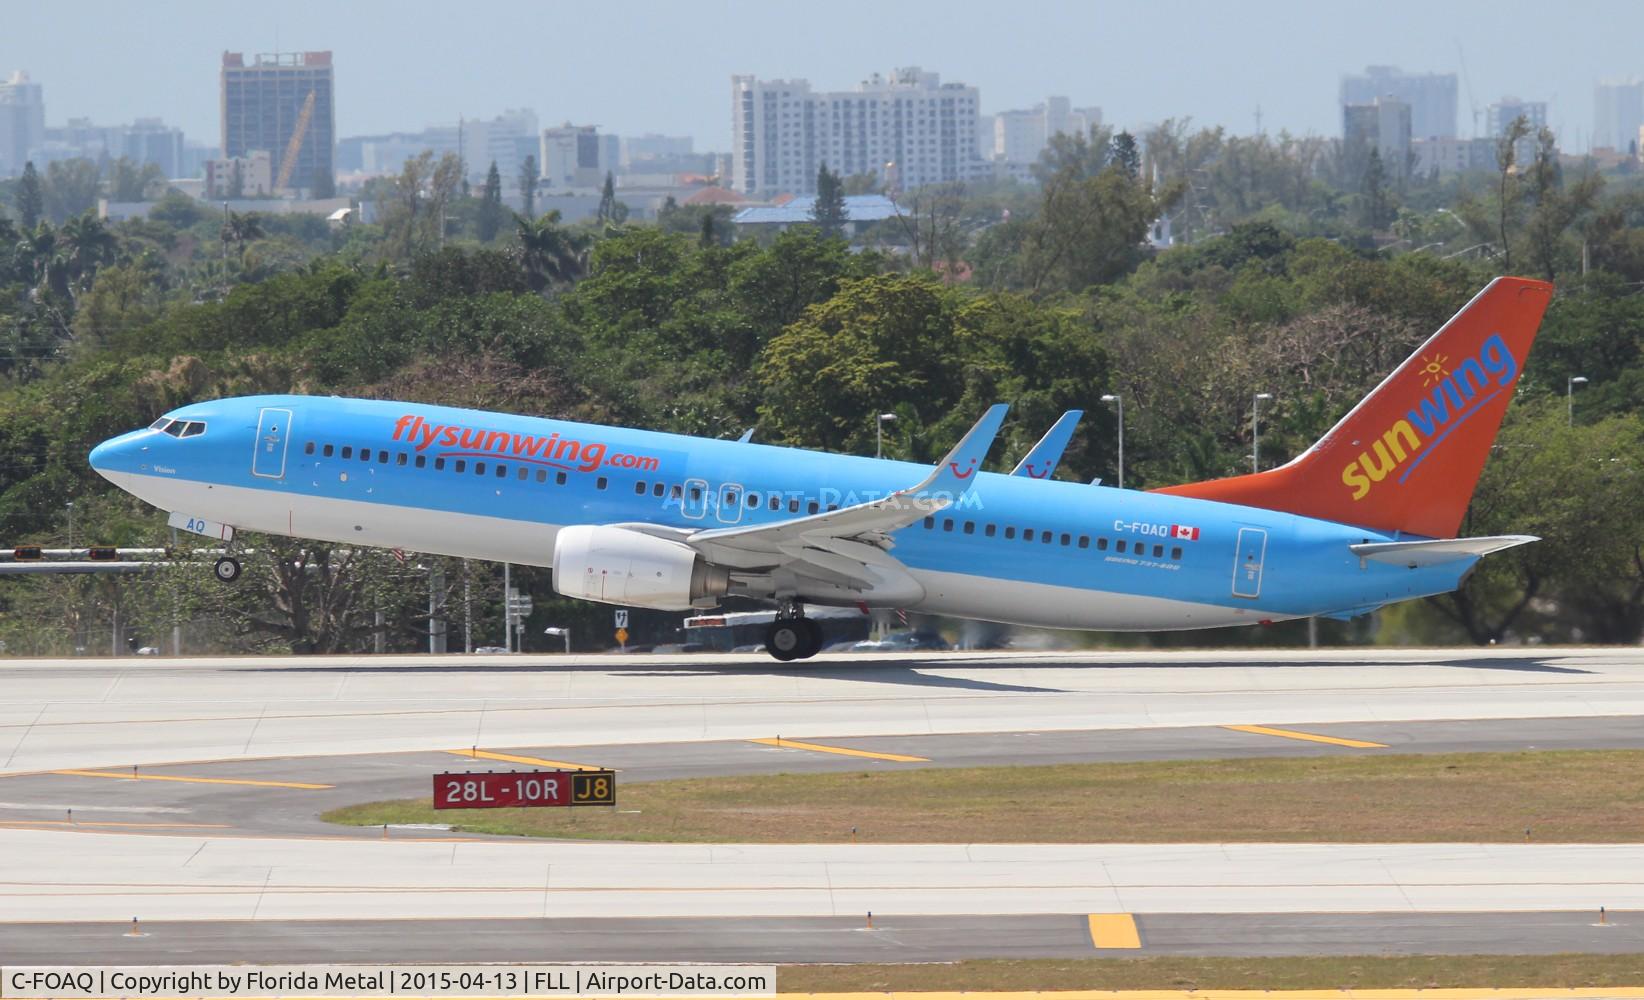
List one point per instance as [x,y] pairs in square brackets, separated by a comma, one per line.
[1437,551]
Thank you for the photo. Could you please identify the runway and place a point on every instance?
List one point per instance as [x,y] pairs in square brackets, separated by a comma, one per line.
[65,714]
[235,759]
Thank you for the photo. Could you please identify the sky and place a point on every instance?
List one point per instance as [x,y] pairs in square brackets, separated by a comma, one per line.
[642,66]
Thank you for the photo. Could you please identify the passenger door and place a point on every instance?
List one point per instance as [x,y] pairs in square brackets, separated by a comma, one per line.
[273,436]
[1247,562]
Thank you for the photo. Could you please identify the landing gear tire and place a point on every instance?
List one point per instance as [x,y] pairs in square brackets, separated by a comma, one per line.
[788,639]
[226,569]
[815,634]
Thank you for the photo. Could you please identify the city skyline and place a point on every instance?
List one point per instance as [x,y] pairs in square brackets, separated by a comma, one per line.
[665,69]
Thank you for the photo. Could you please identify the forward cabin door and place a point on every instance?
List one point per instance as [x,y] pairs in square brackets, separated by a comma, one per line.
[1247,562]
[273,434]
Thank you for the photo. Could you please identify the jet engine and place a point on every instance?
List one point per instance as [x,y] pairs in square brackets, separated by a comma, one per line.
[623,566]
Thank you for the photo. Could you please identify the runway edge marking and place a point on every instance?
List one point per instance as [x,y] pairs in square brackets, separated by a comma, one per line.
[128,776]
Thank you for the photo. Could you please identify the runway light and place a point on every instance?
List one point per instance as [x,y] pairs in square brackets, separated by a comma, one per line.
[27,553]
[103,553]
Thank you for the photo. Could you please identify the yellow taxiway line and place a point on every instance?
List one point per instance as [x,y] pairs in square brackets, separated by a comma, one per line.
[104,824]
[558,765]
[777,741]
[1291,734]
[1114,930]
[130,776]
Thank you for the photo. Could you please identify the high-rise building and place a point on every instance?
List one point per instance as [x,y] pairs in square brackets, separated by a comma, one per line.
[1618,111]
[651,146]
[1382,125]
[482,142]
[1431,96]
[1505,111]
[1020,136]
[22,122]
[577,156]
[908,128]
[262,104]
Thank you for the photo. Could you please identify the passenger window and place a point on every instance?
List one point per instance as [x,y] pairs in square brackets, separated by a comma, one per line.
[382,458]
[813,507]
[326,451]
[502,471]
[422,461]
[776,502]
[991,530]
[479,468]
[639,488]
[601,483]
[930,522]
[1027,534]
[1046,537]
[524,474]
[1158,550]
[1066,538]
[793,505]
[1119,546]
[559,478]
[750,500]
[696,493]
[1176,552]
[674,491]
[402,459]
[659,489]
[1084,541]
[348,451]
[461,466]
[1101,545]
[947,524]
[1010,531]
[365,454]
[970,527]
[542,475]
[729,498]
[439,465]
[308,449]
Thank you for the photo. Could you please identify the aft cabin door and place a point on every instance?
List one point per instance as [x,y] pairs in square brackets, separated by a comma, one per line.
[273,431]
[1247,564]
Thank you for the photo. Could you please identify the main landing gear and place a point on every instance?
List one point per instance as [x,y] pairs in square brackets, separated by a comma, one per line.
[792,636]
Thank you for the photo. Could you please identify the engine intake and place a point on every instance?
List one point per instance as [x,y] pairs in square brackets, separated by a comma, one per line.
[622,566]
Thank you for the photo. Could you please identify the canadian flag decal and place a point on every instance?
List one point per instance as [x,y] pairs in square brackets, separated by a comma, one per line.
[1185,531]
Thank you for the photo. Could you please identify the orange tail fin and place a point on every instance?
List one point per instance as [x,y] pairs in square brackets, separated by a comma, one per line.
[1406,459]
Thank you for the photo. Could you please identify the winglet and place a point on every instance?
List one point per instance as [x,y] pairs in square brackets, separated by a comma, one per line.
[957,470]
[1041,460]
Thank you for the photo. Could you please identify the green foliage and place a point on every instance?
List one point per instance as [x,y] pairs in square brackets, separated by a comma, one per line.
[31,197]
[488,221]
[829,210]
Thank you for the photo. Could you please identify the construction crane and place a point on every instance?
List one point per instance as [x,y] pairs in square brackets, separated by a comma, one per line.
[1468,79]
[288,163]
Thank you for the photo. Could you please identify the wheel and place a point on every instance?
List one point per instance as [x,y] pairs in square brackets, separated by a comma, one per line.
[227,569]
[787,639]
[813,637]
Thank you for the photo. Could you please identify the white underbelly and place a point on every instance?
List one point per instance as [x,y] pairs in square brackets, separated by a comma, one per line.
[1044,605]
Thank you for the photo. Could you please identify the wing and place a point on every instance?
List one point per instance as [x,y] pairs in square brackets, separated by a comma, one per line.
[1433,552]
[1041,460]
[843,555]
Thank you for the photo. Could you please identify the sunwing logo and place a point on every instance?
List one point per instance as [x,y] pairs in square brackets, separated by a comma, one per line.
[552,450]
[1450,395]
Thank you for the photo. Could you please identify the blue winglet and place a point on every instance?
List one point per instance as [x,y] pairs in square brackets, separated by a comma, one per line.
[1040,462]
[957,470]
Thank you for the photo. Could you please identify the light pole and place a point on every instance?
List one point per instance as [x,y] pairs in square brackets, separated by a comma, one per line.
[1569,396]
[1121,404]
[879,434]
[1256,430]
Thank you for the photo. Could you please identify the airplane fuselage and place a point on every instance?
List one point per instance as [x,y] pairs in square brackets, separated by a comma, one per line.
[500,487]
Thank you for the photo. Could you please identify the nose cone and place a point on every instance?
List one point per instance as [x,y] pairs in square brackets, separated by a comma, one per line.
[114,455]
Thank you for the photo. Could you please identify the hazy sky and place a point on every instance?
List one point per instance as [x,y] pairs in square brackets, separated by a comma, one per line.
[642,66]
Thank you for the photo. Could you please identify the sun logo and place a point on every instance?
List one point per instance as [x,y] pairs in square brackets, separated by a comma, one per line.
[1433,369]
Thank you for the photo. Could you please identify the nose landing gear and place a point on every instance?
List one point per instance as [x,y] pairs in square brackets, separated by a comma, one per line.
[226,569]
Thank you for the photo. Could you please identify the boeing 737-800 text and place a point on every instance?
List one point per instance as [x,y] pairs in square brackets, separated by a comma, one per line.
[1364,517]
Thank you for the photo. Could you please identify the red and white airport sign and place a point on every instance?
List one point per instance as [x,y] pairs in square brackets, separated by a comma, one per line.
[514,789]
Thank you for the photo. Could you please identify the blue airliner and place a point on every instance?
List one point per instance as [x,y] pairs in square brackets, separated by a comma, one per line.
[1364,517]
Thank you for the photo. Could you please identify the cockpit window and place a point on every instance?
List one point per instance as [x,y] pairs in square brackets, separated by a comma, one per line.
[159,425]
[175,428]
[193,428]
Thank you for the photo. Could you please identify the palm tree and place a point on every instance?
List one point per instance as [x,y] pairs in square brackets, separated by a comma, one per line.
[550,254]
[86,244]
[241,229]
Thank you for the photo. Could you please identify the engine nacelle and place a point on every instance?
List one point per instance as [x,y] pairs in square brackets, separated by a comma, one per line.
[621,566]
